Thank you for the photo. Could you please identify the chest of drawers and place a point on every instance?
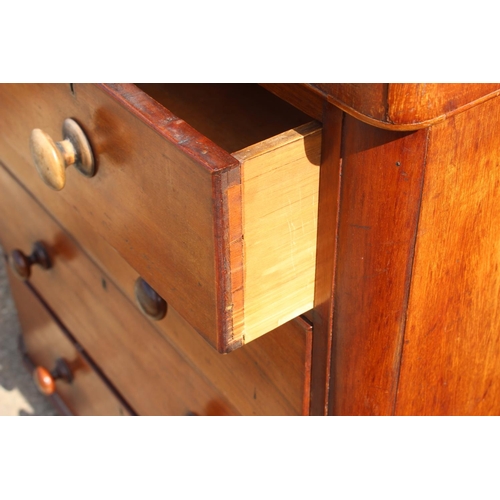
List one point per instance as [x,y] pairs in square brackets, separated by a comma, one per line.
[255,249]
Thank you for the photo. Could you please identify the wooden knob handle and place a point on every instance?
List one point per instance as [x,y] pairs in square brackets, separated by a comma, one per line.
[52,158]
[148,300]
[45,380]
[21,264]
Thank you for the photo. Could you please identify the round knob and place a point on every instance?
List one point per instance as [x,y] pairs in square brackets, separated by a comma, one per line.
[148,300]
[52,158]
[46,381]
[21,264]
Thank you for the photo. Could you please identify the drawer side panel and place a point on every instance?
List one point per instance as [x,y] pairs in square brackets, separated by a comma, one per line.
[280,182]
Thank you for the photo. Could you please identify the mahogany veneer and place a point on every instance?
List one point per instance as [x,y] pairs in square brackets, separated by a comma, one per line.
[228,240]
[370,209]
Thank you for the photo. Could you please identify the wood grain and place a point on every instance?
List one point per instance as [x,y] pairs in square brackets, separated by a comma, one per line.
[451,357]
[151,198]
[382,175]
[279,228]
[155,378]
[413,103]
[164,197]
[233,116]
[45,343]
[328,217]
[270,211]
[367,99]
[270,376]
[393,106]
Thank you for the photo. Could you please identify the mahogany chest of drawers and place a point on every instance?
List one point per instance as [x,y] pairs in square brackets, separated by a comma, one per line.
[229,249]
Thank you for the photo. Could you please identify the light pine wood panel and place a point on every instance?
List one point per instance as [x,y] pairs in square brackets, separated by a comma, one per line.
[451,356]
[279,228]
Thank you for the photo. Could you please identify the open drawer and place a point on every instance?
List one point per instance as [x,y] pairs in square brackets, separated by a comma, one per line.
[216,210]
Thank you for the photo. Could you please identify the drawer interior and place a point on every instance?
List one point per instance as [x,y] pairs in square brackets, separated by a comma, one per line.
[232,115]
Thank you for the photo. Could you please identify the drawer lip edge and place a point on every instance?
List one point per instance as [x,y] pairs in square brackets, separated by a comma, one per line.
[172,128]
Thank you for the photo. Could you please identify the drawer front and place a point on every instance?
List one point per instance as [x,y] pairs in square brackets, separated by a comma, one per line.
[153,377]
[228,240]
[270,376]
[45,343]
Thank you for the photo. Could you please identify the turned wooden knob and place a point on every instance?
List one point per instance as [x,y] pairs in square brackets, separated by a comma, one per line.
[45,380]
[148,300]
[52,158]
[21,263]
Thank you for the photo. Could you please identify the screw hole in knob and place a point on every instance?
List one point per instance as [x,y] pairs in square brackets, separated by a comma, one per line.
[45,380]
[21,264]
[52,158]
[148,300]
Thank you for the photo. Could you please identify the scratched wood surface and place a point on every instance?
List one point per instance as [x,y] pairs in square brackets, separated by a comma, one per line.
[451,356]
[382,175]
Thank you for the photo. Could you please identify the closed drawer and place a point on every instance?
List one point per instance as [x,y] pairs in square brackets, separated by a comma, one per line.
[229,240]
[270,376]
[45,345]
[153,377]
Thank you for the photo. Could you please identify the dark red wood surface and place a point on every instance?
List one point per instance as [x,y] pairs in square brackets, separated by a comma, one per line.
[451,356]
[382,175]
[322,316]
